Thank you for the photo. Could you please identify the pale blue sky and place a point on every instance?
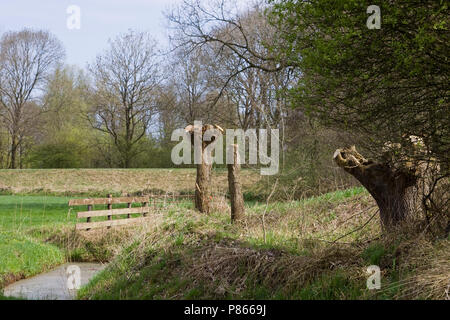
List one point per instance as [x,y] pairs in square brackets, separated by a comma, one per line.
[100,20]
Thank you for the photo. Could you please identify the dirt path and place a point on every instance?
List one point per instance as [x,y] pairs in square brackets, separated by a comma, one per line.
[53,285]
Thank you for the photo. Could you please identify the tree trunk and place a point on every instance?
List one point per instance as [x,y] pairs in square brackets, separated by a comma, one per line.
[20,156]
[234,185]
[14,146]
[394,190]
[203,180]
[202,187]
[126,162]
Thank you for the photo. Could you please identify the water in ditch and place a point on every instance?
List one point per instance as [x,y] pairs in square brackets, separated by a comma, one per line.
[60,283]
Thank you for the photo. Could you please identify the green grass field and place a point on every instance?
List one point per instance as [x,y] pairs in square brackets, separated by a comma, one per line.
[19,212]
[25,212]
[23,254]
[27,222]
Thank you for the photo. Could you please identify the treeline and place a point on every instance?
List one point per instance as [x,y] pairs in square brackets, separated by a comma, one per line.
[314,70]
[55,130]
[121,109]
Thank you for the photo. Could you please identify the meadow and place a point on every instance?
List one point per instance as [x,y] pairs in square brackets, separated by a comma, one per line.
[99,182]
[352,95]
[315,248]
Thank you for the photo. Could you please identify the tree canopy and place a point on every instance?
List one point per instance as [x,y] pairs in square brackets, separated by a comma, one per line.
[385,84]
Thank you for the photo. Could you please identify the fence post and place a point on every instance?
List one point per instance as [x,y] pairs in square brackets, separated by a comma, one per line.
[145,205]
[109,208]
[88,219]
[129,207]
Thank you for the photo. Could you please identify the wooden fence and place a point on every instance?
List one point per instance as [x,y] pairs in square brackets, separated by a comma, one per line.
[156,203]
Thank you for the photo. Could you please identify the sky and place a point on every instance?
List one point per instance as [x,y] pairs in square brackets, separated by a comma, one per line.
[99,21]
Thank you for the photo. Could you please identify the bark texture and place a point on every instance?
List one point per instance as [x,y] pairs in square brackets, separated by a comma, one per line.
[202,188]
[203,179]
[234,185]
[394,189]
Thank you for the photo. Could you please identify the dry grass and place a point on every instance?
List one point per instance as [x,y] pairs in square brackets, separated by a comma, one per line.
[120,181]
[228,260]
[230,266]
[426,268]
[345,220]
[433,277]
[220,204]
[315,249]
[98,245]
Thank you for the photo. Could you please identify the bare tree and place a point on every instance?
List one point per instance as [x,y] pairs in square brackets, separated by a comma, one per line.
[240,36]
[229,26]
[192,85]
[125,80]
[194,78]
[255,95]
[169,117]
[26,58]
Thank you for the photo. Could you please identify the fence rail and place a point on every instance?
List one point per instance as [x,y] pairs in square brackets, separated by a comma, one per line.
[109,200]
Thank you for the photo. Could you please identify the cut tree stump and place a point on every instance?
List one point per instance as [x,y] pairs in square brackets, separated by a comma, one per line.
[203,180]
[395,189]
[202,188]
[235,187]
